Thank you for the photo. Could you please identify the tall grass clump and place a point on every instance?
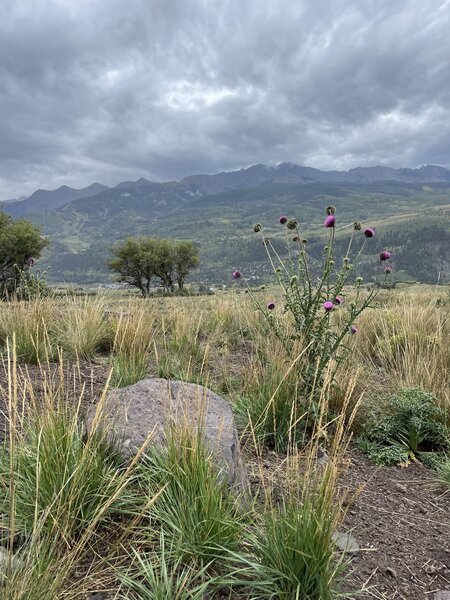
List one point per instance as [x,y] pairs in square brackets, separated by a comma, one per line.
[51,472]
[182,355]
[35,572]
[443,474]
[57,474]
[197,513]
[408,339]
[32,325]
[85,329]
[269,403]
[160,576]
[291,549]
[296,557]
[57,486]
[131,348]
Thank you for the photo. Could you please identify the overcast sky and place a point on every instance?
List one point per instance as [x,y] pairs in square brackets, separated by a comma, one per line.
[107,90]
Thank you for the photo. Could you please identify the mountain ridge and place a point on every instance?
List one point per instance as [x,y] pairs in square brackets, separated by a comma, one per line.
[209,184]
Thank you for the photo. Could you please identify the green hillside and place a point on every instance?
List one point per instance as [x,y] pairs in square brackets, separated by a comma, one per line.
[412,219]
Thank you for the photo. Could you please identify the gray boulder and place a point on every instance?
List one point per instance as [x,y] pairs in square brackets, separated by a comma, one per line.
[157,405]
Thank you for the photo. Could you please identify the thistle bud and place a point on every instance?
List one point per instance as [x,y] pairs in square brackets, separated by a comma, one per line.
[357,226]
[257,227]
[291,224]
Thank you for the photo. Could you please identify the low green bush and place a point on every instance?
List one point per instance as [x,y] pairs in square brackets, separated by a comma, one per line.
[407,425]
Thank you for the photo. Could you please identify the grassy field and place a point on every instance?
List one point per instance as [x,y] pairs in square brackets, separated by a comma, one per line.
[77,520]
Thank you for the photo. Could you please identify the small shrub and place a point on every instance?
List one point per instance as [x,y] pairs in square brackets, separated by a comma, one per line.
[409,424]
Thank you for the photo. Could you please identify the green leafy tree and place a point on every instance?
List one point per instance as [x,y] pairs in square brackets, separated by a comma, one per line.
[21,244]
[186,259]
[141,262]
[165,265]
[134,262]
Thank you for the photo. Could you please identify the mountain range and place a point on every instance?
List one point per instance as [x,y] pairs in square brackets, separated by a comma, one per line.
[202,185]
[217,212]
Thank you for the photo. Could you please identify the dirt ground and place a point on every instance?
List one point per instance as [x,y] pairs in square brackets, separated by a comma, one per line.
[399,519]
[402,525]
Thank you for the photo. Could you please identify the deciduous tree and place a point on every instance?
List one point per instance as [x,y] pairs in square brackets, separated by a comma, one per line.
[21,244]
[141,262]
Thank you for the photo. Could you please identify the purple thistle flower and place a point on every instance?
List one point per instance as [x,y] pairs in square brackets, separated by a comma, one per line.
[338,300]
[388,269]
[369,232]
[271,305]
[353,330]
[283,220]
[236,274]
[329,221]
[328,305]
[385,255]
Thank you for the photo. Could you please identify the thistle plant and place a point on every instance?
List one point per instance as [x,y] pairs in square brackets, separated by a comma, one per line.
[320,316]
[31,285]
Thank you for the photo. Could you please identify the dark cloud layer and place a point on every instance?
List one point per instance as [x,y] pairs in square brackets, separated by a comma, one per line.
[110,90]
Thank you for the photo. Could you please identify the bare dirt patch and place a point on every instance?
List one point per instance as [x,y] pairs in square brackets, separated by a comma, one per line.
[402,524]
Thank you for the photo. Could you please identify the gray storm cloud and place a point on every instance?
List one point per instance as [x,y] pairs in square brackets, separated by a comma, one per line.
[110,90]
